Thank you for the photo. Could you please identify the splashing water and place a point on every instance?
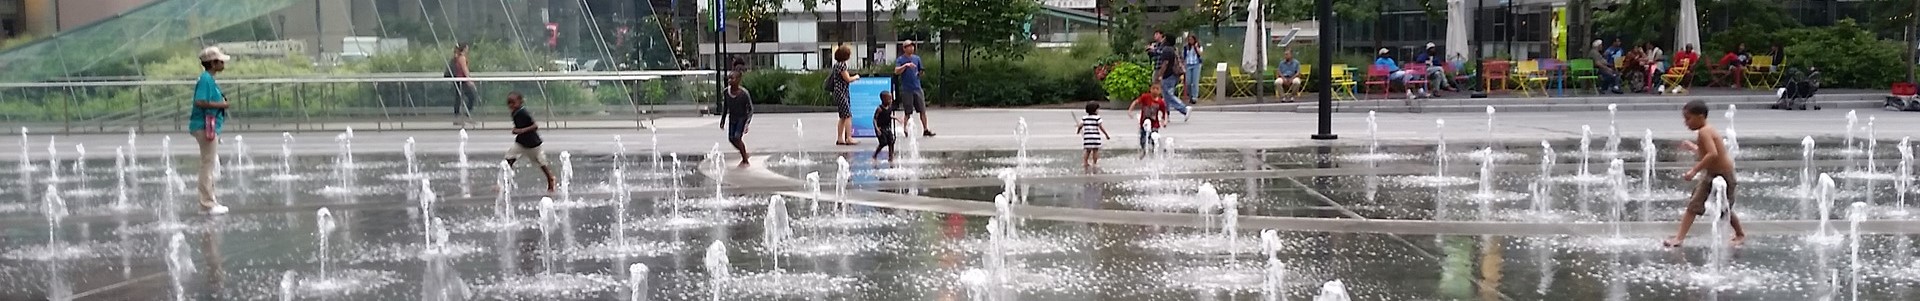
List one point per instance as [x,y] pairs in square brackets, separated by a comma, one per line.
[1716,212]
[1855,214]
[718,267]
[324,226]
[55,209]
[1333,291]
[288,283]
[637,282]
[1586,143]
[1613,130]
[776,231]
[1373,134]
[1825,202]
[1903,176]
[120,183]
[1647,149]
[53,161]
[463,149]
[26,159]
[133,148]
[549,220]
[179,264]
[502,207]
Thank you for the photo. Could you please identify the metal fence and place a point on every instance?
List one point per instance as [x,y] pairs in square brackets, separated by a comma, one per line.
[369,101]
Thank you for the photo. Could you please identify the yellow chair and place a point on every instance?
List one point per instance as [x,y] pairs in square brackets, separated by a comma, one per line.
[1206,85]
[1305,76]
[1530,77]
[1676,77]
[1242,84]
[1342,83]
[1762,74]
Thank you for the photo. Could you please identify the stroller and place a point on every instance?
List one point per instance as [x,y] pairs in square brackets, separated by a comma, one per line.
[1798,89]
[1902,98]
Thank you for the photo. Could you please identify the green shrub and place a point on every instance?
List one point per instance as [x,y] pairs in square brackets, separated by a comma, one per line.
[1848,56]
[1126,81]
[765,85]
[808,89]
[992,83]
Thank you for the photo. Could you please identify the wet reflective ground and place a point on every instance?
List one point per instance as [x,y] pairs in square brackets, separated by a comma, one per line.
[244,255]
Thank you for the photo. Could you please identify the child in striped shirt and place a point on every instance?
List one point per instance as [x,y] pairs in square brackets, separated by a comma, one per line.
[1092,134]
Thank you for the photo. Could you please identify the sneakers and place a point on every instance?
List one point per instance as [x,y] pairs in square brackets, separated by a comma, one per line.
[217,210]
[1409,94]
[1662,89]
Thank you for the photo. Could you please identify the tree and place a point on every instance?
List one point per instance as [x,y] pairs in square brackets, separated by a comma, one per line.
[992,26]
[749,14]
[1126,31]
[1653,20]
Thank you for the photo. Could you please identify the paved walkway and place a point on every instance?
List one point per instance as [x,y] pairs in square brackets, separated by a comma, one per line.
[980,129]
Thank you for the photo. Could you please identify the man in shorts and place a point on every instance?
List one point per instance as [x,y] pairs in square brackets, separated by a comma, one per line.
[526,140]
[912,99]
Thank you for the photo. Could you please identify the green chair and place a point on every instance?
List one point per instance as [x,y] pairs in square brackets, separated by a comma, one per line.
[1582,70]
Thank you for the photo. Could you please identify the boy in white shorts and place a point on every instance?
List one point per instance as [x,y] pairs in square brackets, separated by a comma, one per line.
[526,141]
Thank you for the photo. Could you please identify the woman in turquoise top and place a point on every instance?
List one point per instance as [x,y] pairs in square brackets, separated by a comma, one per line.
[208,114]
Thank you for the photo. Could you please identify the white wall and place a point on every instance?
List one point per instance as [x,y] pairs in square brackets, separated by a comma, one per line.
[795,31]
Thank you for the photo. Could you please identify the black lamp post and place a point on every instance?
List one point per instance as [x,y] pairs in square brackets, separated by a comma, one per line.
[1323,75]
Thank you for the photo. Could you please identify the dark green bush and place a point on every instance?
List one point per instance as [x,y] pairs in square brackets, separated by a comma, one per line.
[808,89]
[993,83]
[765,85]
[1848,56]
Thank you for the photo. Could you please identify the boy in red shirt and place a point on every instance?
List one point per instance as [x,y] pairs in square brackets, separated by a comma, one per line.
[1152,112]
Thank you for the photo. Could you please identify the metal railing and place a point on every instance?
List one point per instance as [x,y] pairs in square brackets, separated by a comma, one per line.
[627,99]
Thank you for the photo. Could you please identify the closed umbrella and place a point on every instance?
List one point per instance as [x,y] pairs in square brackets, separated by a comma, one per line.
[1459,19]
[1253,53]
[1688,32]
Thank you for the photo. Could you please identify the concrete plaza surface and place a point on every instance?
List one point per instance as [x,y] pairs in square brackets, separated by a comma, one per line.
[982,129]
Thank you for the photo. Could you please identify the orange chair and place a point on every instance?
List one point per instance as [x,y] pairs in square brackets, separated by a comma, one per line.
[1495,71]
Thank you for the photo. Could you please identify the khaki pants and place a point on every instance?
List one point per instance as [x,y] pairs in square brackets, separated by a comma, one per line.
[209,155]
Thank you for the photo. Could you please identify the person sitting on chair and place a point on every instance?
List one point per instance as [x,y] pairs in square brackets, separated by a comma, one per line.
[1288,75]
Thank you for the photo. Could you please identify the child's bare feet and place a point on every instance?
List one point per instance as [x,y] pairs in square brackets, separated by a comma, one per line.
[743,163]
[1672,242]
[1738,240]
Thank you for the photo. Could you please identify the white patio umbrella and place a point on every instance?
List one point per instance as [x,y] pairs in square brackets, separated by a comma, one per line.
[1459,25]
[1253,52]
[1688,31]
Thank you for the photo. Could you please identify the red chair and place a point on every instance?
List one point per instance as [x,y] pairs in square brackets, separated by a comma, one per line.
[1417,76]
[1376,76]
[1495,71]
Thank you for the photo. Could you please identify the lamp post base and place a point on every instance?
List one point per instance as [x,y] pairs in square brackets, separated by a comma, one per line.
[1325,137]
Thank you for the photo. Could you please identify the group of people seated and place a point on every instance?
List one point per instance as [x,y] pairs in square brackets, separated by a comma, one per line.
[1289,71]
[1637,69]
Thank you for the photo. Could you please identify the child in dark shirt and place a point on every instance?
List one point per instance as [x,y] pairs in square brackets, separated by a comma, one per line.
[883,122]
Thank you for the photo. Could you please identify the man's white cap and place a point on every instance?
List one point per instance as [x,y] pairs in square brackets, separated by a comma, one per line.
[1383,51]
[1597,43]
[1429,44]
[213,53]
[906,43]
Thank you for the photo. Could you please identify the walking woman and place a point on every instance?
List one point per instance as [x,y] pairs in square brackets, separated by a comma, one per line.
[837,81]
[1191,56]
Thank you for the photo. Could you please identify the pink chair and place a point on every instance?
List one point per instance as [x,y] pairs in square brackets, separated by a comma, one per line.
[1377,76]
[1416,76]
